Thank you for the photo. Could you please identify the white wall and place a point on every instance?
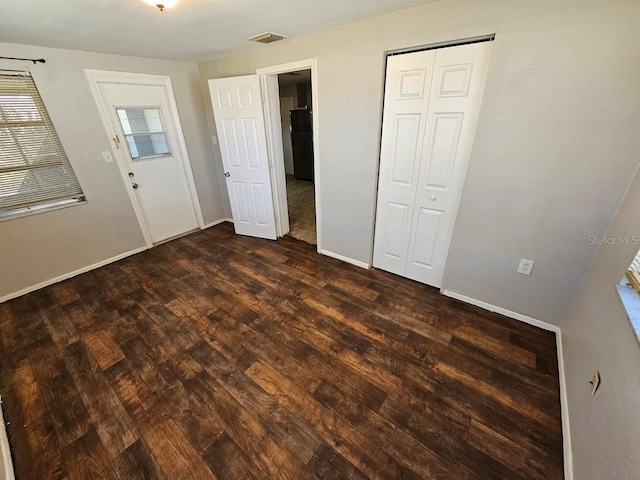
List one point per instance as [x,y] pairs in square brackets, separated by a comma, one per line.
[554,149]
[222,184]
[39,247]
[596,334]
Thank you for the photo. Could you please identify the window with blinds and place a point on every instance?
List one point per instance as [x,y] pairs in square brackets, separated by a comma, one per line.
[633,273]
[35,172]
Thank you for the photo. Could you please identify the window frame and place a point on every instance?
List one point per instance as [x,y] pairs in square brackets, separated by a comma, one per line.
[44,204]
[629,293]
[163,132]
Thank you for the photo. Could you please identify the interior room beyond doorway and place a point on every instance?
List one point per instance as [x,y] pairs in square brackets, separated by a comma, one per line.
[297,142]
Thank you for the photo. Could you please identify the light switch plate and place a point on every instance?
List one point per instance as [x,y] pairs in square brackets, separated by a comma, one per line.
[214,140]
[108,158]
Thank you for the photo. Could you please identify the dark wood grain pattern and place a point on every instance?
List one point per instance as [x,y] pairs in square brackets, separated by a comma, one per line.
[226,357]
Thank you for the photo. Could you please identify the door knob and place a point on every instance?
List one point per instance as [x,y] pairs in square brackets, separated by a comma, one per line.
[135,186]
[433,198]
[227,174]
[131,174]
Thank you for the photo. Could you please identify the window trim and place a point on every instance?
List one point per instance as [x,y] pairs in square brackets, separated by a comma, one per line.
[36,206]
[630,300]
[41,208]
[633,273]
[163,132]
[628,289]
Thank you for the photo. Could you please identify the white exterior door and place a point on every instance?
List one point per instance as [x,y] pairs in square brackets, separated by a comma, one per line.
[237,108]
[431,106]
[149,149]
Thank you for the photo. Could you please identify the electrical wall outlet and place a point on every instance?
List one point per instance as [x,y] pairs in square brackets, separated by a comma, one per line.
[594,383]
[525,266]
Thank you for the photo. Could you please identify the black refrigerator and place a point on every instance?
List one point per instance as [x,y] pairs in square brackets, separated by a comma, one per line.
[302,143]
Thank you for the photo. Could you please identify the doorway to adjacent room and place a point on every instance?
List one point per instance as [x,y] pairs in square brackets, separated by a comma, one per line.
[247,110]
[296,117]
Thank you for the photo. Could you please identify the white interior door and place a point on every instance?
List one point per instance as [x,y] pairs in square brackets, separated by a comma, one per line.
[237,108]
[431,107]
[148,146]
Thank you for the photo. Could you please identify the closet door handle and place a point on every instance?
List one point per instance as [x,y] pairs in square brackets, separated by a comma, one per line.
[433,198]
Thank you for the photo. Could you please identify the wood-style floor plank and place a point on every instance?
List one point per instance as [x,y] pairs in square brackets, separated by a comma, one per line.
[217,356]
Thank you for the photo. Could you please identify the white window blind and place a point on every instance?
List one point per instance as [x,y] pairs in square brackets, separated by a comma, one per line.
[633,274]
[34,169]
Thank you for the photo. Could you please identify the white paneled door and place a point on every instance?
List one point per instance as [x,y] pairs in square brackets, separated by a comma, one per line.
[237,108]
[431,106]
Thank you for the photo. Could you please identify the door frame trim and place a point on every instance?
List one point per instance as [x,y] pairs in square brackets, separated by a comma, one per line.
[268,77]
[95,78]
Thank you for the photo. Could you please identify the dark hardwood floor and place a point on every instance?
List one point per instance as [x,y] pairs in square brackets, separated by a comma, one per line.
[228,357]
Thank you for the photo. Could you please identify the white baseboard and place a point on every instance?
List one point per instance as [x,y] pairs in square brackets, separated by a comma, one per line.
[564,409]
[566,431]
[337,256]
[502,311]
[6,466]
[217,222]
[65,276]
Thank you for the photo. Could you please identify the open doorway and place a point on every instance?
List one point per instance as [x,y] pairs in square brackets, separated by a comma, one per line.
[290,94]
[296,117]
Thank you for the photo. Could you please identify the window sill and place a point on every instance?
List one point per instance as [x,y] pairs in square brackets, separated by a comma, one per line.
[26,212]
[631,301]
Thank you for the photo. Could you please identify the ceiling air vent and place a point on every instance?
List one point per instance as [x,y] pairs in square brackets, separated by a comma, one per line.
[267,37]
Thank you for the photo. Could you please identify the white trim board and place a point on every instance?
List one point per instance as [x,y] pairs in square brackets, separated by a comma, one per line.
[337,256]
[502,311]
[6,466]
[564,411]
[273,122]
[564,407]
[74,273]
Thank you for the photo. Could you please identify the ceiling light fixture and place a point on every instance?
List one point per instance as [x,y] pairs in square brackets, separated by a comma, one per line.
[161,4]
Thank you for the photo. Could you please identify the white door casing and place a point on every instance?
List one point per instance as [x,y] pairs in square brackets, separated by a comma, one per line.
[162,188]
[238,112]
[286,105]
[431,107]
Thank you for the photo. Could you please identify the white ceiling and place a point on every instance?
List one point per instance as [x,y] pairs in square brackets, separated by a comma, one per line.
[193,30]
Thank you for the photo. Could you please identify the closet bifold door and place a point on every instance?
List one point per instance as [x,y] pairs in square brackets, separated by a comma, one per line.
[431,106]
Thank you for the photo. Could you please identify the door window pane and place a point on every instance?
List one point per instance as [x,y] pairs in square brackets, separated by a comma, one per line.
[144,131]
